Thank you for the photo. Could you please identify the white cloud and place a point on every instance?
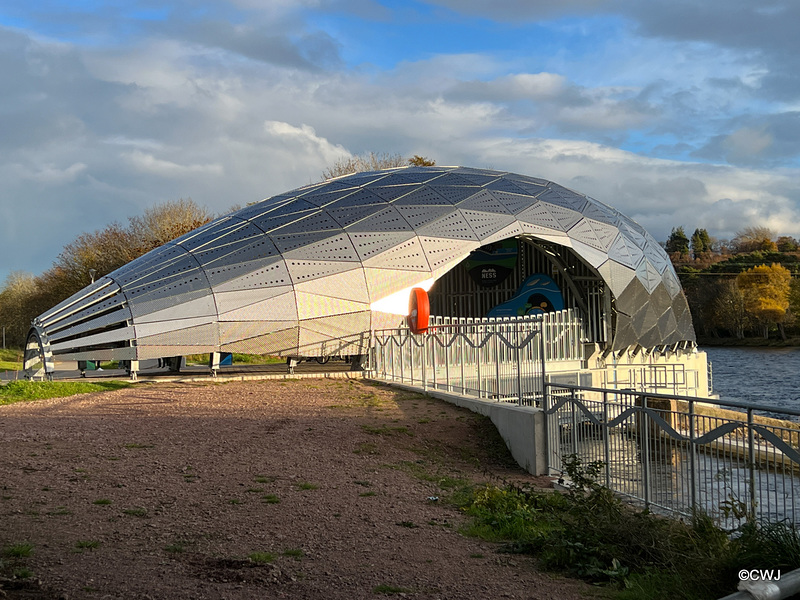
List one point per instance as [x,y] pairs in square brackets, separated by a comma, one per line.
[150,164]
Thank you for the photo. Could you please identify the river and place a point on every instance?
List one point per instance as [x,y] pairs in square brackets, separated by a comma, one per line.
[766,376]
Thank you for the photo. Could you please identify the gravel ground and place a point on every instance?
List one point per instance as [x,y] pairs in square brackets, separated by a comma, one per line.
[269,489]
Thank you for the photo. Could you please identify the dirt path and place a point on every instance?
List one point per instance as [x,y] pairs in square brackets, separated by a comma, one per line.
[292,489]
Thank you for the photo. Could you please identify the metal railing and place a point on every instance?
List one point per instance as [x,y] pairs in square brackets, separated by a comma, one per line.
[680,453]
[500,359]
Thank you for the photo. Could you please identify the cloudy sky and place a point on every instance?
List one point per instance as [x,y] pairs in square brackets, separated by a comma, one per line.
[676,112]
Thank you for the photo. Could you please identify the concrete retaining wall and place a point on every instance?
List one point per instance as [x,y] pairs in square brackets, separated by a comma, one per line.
[521,427]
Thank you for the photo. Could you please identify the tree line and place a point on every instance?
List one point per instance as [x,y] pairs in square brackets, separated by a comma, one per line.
[746,286]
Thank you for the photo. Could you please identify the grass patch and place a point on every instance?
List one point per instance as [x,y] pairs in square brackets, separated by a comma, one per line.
[264,479]
[271,499]
[366,448]
[11,359]
[26,391]
[138,511]
[176,547]
[307,485]
[82,545]
[19,550]
[295,553]
[367,494]
[102,501]
[261,558]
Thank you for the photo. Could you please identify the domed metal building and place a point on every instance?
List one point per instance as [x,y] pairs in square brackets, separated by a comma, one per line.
[313,271]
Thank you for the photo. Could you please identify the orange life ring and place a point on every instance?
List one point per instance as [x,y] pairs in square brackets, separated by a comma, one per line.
[419,311]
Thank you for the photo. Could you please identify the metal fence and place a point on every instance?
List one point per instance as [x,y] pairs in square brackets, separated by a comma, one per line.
[497,359]
[679,453]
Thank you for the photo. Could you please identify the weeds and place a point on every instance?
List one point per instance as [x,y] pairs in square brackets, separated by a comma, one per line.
[261,558]
[82,545]
[19,550]
[271,499]
[590,533]
[307,485]
[138,511]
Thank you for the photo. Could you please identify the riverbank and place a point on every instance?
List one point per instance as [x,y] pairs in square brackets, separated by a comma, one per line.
[748,342]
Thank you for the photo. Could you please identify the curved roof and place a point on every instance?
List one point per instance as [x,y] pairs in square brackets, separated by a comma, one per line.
[302,269]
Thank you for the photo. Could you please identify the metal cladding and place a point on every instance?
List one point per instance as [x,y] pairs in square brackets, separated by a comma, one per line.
[300,273]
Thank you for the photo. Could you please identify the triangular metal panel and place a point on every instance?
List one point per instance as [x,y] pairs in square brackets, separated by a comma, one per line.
[283,216]
[531,188]
[280,342]
[505,185]
[672,283]
[565,217]
[455,194]
[231,301]
[312,306]
[616,275]
[407,255]
[626,227]
[668,325]
[264,206]
[538,214]
[605,233]
[390,193]
[484,201]
[452,226]
[660,298]
[371,244]
[307,270]
[583,232]
[512,230]
[323,198]
[417,216]
[144,305]
[656,255]
[361,197]
[648,275]
[441,252]
[105,292]
[339,326]
[485,224]
[632,297]
[239,332]
[264,273]
[189,339]
[414,176]
[300,239]
[389,219]
[317,221]
[282,307]
[625,335]
[591,255]
[422,196]
[349,285]
[514,203]
[348,215]
[382,283]
[245,245]
[561,196]
[527,180]
[481,179]
[600,212]
[624,251]
[543,233]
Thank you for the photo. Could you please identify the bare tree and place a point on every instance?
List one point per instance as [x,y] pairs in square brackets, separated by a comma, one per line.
[364,162]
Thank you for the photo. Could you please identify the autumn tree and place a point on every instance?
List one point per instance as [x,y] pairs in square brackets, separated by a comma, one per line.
[753,239]
[15,295]
[727,309]
[765,290]
[421,161]
[787,243]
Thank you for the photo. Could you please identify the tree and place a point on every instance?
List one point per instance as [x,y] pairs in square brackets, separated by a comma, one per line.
[753,239]
[787,243]
[727,311]
[701,243]
[15,294]
[421,161]
[365,162]
[765,290]
[677,243]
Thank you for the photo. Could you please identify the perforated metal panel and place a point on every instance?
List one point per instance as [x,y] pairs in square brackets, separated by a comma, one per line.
[299,270]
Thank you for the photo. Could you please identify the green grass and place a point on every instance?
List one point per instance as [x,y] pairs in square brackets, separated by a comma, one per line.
[25,391]
[19,550]
[307,485]
[264,479]
[11,359]
[261,558]
[295,553]
[102,501]
[138,511]
[81,545]
[271,499]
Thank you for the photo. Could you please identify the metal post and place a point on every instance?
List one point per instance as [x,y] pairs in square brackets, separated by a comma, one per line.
[433,357]
[751,459]
[519,365]
[546,406]
[574,432]
[606,441]
[645,437]
[692,456]
[425,362]
[497,362]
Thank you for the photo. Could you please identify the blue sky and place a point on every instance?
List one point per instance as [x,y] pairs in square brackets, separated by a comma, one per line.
[674,112]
